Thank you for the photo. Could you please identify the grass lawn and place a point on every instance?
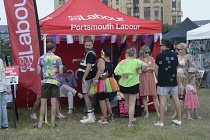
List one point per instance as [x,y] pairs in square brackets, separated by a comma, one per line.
[72,129]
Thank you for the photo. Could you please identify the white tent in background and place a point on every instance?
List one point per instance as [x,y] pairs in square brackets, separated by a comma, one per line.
[202,32]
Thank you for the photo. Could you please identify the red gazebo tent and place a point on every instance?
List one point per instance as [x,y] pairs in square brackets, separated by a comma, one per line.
[92,17]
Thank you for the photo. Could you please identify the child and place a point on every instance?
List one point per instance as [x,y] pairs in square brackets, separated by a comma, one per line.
[191,98]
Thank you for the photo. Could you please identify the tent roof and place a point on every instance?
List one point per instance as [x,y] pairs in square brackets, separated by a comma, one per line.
[179,33]
[92,17]
[202,32]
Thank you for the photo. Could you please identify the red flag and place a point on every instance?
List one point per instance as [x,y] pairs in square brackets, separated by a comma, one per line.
[21,19]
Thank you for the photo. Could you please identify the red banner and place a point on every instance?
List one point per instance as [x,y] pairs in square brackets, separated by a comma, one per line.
[21,19]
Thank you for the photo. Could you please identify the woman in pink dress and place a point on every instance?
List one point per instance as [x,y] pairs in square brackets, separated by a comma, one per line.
[191,98]
[147,81]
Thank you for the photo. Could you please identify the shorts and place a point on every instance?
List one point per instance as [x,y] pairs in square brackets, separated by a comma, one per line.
[50,91]
[103,96]
[88,86]
[167,90]
[130,90]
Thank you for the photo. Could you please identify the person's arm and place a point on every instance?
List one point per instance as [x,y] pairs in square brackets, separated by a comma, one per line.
[76,60]
[60,65]
[74,83]
[39,71]
[191,64]
[60,70]
[144,66]
[39,67]
[101,67]
[194,90]
[156,70]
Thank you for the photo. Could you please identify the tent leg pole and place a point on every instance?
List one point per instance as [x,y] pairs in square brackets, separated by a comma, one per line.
[45,43]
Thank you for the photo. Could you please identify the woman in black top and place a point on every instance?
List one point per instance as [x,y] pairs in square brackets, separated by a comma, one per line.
[103,84]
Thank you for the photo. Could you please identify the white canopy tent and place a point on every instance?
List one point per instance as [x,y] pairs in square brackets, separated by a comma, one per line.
[199,47]
[202,32]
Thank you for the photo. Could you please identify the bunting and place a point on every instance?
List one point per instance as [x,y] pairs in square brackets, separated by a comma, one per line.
[123,38]
[69,39]
[93,37]
[147,39]
[134,38]
[113,38]
[81,39]
[156,37]
[56,39]
[102,38]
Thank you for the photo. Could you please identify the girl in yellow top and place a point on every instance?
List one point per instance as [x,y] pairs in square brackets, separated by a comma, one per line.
[129,82]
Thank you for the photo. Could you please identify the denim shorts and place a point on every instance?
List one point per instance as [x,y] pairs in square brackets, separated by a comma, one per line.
[50,91]
[167,90]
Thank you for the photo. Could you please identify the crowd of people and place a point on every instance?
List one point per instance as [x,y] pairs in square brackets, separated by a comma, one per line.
[172,73]
[174,70]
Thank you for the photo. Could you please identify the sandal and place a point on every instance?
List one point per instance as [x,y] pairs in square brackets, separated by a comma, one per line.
[54,126]
[190,119]
[36,126]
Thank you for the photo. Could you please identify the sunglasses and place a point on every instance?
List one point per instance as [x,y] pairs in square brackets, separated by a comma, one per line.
[147,52]
[179,49]
[161,45]
[67,80]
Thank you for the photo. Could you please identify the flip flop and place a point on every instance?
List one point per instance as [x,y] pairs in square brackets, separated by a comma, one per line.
[54,126]
[190,119]
[36,126]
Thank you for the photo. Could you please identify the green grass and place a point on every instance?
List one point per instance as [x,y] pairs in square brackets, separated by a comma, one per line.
[71,129]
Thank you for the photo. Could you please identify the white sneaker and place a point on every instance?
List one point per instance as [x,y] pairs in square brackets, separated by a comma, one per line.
[80,95]
[134,119]
[177,122]
[84,117]
[90,118]
[33,116]
[159,124]
[70,111]
[61,116]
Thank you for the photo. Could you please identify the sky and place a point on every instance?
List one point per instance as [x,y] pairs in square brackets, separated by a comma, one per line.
[193,9]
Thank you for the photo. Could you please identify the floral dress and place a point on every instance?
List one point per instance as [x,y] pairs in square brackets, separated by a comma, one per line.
[186,66]
[147,81]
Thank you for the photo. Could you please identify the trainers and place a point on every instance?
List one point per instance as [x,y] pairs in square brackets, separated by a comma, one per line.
[5,127]
[159,124]
[33,116]
[177,122]
[89,119]
[103,120]
[70,111]
[80,95]
[111,117]
[61,116]
[84,117]
[134,119]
